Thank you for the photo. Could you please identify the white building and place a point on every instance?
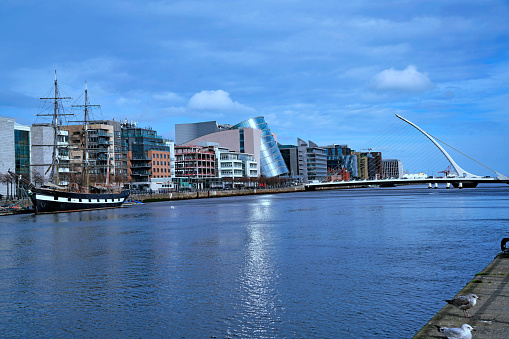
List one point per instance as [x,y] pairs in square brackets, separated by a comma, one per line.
[42,137]
[14,149]
[7,160]
[420,175]
[236,165]
[392,168]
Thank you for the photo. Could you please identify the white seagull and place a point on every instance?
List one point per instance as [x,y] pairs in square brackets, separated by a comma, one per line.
[464,302]
[465,332]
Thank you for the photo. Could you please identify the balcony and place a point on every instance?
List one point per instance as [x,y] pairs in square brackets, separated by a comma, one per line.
[138,165]
[137,172]
[94,133]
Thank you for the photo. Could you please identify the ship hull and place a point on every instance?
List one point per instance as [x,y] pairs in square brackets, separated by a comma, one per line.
[47,201]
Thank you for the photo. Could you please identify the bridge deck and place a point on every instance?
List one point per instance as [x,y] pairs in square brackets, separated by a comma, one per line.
[453,181]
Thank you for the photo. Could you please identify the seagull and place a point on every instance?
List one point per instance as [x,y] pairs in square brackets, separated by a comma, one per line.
[464,302]
[465,332]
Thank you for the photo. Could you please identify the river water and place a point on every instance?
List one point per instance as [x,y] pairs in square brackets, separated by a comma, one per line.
[359,263]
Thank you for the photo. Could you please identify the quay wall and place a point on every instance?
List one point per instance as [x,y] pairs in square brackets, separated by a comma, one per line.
[490,316]
[222,193]
[210,194]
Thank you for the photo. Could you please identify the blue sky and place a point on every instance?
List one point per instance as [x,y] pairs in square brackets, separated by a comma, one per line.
[327,71]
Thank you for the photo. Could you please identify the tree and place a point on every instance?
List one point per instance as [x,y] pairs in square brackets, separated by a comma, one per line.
[3,180]
[100,178]
[119,179]
[7,180]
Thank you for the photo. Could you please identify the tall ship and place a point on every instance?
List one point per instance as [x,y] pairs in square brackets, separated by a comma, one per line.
[77,191]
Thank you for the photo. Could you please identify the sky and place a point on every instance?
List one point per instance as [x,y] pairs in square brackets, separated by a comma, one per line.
[329,71]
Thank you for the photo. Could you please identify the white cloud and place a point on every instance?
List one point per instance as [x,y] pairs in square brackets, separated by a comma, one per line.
[215,100]
[167,96]
[407,80]
[125,101]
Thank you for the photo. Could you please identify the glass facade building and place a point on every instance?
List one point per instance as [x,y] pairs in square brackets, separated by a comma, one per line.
[271,163]
[22,151]
[137,142]
[341,157]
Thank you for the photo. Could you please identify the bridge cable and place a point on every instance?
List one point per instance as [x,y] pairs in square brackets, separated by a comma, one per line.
[463,154]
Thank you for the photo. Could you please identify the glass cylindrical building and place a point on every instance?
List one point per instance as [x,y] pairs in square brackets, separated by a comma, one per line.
[271,162]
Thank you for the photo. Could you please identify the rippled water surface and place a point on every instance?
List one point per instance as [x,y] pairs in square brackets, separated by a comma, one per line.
[363,263]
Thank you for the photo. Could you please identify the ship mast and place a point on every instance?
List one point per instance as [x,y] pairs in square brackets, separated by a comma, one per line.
[56,130]
[86,107]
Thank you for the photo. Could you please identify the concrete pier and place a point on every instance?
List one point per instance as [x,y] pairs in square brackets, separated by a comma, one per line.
[490,316]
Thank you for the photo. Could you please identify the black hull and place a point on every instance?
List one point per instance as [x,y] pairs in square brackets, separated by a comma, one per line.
[47,201]
[465,184]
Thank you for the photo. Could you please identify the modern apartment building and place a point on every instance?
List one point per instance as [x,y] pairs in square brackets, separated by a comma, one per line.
[250,166]
[339,159]
[306,161]
[316,162]
[145,152]
[236,167]
[375,167]
[163,170]
[119,154]
[195,162]
[100,145]
[160,164]
[362,165]
[392,168]
[197,167]
[290,154]
[369,165]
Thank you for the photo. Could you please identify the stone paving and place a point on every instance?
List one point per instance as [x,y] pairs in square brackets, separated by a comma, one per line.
[490,316]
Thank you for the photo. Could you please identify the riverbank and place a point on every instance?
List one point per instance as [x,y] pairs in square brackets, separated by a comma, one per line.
[490,316]
[223,193]
[25,205]
[211,194]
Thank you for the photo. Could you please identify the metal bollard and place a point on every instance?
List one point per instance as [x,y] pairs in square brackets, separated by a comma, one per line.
[503,244]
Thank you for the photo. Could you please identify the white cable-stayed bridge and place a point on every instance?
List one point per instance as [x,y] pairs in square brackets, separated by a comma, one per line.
[419,152]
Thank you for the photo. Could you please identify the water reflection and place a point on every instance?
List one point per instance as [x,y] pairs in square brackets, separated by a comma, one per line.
[259,275]
[259,281]
[261,210]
